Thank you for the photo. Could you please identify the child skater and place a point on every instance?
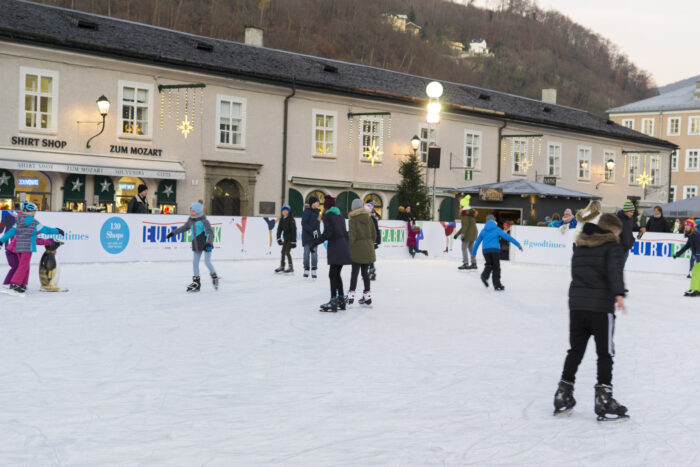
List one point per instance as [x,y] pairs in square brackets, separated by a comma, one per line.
[202,242]
[286,238]
[490,236]
[597,289]
[693,244]
[24,232]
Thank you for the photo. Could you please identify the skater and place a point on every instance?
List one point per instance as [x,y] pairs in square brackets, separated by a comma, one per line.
[202,242]
[286,238]
[656,223]
[590,213]
[362,236]
[139,203]
[490,236]
[568,221]
[468,232]
[24,233]
[310,226]
[338,253]
[693,244]
[412,239]
[378,241]
[597,290]
[627,236]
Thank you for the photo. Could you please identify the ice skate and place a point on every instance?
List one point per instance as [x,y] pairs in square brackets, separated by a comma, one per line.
[306,273]
[485,281]
[351,297]
[215,281]
[195,286]
[564,400]
[425,252]
[340,301]
[366,298]
[289,270]
[473,266]
[500,288]
[373,274]
[279,269]
[463,267]
[606,407]
[313,273]
[691,293]
[330,307]
[17,290]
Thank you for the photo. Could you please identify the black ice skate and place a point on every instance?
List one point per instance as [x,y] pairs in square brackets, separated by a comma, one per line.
[564,400]
[340,301]
[279,269]
[289,270]
[330,307]
[366,298]
[372,274]
[473,266]
[485,281]
[500,288]
[195,285]
[463,267]
[606,407]
[215,281]
[17,290]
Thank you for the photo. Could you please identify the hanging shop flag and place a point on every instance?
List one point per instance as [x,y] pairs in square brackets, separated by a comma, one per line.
[74,188]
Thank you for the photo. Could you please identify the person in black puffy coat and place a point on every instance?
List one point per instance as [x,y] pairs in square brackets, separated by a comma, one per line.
[693,243]
[286,238]
[310,230]
[597,289]
[625,216]
[657,222]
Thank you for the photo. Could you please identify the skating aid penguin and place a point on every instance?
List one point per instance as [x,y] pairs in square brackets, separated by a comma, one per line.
[48,268]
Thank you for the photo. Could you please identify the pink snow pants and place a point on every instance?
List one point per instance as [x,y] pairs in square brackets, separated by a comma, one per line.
[13,262]
[21,275]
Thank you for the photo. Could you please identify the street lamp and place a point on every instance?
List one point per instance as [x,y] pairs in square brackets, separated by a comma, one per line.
[415,143]
[103,107]
[609,167]
[434,91]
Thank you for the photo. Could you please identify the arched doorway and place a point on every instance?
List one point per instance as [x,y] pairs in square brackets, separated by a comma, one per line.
[127,188]
[394,207]
[226,199]
[296,202]
[35,187]
[344,201]
[377,201]
[447,210]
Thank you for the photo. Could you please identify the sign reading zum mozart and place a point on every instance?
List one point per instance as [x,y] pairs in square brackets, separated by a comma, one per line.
[491,194]
[135,150]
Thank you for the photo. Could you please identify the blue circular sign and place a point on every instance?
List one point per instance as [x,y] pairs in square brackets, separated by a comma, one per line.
[114,235]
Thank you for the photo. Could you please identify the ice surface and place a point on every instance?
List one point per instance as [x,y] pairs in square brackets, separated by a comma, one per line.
[127,369]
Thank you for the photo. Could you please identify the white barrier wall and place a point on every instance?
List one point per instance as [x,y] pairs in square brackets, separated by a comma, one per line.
[96,237]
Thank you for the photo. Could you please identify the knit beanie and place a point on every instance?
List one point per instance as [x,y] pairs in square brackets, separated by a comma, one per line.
[197,207]
[465,202]
[328,202]
[312,200]
[490,217]
[628,206]
[142,187]
[356,204]
[286,208]
[691,223]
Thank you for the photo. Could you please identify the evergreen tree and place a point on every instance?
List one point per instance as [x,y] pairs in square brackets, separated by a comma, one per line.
[412,190]
[412,14]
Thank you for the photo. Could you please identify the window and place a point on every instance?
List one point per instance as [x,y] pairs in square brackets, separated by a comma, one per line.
[672,193]
[230,117]
[694,125]
[674,160]
[648,126]
[428,136]
[554,159]
[38,99]
[472,149]
[609,155]
[655,170]
[628,123]
[325,131]
[633,165]
[377,201]
[690,191]
[371,147]
[584,163]
[691,160]
[135,109]
[674,126]
[519,148]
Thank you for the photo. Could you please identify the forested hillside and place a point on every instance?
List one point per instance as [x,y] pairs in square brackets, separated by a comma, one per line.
[532,48]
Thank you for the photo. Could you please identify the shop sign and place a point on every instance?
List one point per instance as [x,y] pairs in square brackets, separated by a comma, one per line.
[126,186]
[550,181]
[38,142]
[491,194]
[135,150]
[28,182]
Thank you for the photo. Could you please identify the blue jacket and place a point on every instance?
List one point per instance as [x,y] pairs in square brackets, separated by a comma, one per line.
[309,223]
[489,236]
[200,229]
[38,228]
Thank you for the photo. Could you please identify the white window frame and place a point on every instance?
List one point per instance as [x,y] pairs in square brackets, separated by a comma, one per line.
[685,191]
[379,137]
[609,154]
[516,159]
[431,139]
[586,171]
[633,169]
[334,130]
[655,170]
[688,167]
[120,129]
[694,121]
[669,129]
[476,150]
[23,72]
[674,160]
[557,160]
[644,124]
[217,127]
[628,123]
[673,190]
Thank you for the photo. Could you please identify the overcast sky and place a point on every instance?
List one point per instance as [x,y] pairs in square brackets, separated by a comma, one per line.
[659,37]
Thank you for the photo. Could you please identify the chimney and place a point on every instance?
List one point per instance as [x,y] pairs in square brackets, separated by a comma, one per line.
[254,36]
[549,96]
[696,95]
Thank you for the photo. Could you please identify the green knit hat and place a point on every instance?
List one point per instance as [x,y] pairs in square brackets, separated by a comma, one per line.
[628,206]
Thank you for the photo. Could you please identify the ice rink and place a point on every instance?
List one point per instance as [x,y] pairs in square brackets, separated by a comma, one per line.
[127,369]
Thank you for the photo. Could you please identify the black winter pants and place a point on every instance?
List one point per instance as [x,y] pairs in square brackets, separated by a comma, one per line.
[336,280]
[356,268]
[583,325]
[286,253]
[492,265]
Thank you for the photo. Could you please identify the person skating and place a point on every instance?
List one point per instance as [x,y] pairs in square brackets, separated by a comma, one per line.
[693,244]
[490,236]
[596,291]
[310,227]
[468,232]
[412,239]
[362,235]
[338,252]
[657,222]
[627,236]
[378,241]
[25,230]
[202,243]
[139,203]
[287,238]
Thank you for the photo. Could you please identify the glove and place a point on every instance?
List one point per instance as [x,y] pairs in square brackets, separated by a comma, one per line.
[279,241]
[455,236]
[209,247]
[170,235]
[675,256]
[315,234]
[61,232]
[294,244]
[520,248]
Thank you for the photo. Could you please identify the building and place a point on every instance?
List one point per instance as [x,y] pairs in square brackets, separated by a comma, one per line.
[246,128]
[478,47]
[674,116]
[402,24]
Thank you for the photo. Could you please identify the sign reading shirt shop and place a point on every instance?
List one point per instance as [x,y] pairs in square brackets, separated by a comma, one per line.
[135,150]
[38,142]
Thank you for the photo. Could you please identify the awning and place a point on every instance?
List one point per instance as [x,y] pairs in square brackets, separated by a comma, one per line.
[89,164]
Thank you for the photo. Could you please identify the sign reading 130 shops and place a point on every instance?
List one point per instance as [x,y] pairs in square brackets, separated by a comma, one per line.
[114,235]
[154,235]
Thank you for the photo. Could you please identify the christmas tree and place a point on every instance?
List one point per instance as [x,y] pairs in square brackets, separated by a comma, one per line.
[412,190]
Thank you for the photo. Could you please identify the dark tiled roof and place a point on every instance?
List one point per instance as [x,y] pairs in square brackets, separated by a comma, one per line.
[528,187]
[57,27]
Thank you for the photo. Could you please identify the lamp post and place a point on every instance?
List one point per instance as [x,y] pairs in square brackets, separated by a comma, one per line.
[103,107]
[609,167]
[434,91]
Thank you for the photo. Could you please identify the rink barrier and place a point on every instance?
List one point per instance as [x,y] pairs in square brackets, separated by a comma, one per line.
[99,237]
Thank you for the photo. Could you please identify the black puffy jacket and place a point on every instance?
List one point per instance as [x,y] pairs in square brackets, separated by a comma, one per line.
[626,237]
[596,271]
[693,244]
[659,224]
[287,229]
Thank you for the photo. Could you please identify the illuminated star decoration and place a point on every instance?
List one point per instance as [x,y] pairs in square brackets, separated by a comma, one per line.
[168,191]
[373,152]
[76,185]
[105,185]
[185,127]
[644,179]
[4,179]
[525,165]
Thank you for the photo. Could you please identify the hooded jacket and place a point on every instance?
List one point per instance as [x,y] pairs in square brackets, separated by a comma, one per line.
[201,232]
[468,227]
[489,236]
[626,237]
[287,229]
[362,236]
[309,224]
[596,271]
[337,236]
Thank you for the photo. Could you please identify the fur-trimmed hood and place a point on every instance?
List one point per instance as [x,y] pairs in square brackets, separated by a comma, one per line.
[593,236]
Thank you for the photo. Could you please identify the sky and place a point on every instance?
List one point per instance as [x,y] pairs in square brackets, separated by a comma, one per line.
[659,37]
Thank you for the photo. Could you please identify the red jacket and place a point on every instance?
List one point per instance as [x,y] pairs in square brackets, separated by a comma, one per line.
[411,239]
